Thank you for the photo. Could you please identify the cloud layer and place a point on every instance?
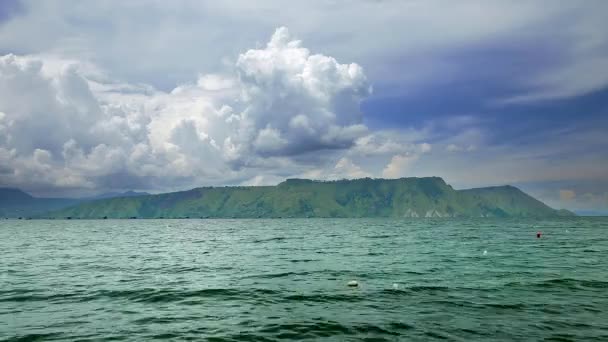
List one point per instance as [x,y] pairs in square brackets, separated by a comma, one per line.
[158,96]
[63,129]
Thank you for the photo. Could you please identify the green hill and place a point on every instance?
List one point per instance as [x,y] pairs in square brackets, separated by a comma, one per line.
[405,197]
[17,203]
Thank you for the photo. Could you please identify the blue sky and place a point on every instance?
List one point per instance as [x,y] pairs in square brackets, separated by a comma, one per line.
[160,96]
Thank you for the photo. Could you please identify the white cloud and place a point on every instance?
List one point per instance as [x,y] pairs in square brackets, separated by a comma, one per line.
[348,169]
[425,147]
[391,142]
[578,77]
[344,168]
[278,102]
[298,100]
[399,165]
[269,140]
[453,148]
[105,106]
[261,180]
[191,37]
[459,148]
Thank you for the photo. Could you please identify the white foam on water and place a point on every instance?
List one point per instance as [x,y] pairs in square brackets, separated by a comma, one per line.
[485,252]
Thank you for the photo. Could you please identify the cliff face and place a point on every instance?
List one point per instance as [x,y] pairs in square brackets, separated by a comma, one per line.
[405,197]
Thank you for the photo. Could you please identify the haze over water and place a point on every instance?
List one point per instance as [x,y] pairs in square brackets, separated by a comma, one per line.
[235,280]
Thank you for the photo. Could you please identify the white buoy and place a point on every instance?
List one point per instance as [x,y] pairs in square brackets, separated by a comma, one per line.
[395,286]
[485,252]
[353,283]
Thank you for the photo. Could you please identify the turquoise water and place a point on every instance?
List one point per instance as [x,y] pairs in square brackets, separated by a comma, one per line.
[266,280]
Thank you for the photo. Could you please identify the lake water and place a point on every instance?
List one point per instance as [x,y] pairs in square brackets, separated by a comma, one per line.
[284,279]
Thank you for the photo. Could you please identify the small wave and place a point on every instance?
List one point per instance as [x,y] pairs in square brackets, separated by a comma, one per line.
[165,336]
[319,329]
[395,292]
[166,295]
[333,274]
[571,325]
[436,335]
[380,236]
[24,298]
[400,326]
[514,306]
[425,288]
[306,329]
[302,260]
[183,269]
[279,238]
[242,336]
[163,320]
[325,298]
[17,292]
[32,337]
[473,332]
[562,338]
[568,283]
[374,329]
[277,275]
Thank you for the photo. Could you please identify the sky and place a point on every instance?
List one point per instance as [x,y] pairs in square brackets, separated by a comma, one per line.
[102,96]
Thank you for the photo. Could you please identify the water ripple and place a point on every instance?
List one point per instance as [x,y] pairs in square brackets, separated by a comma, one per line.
[272,280]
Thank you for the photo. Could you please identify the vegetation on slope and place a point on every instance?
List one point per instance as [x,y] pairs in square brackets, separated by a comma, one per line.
[405,197]
[15,203]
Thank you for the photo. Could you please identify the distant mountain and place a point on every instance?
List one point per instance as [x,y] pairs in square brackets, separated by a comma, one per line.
[405,197]
[11,195]
[17,203]
[117,194]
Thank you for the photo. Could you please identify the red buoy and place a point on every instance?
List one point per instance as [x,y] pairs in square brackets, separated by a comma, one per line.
[538,234]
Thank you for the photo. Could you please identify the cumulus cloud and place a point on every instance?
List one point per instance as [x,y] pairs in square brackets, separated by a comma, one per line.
[399,165]
[425,147]
[344,168]
[297,101]
[389,143]
[459,148]
[348,169]
[277,102]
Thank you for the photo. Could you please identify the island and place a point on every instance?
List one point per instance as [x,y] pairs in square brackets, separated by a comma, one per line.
[426,197]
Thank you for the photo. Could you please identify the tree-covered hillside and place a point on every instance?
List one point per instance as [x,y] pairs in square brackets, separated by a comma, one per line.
[405,197]
[16,203]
